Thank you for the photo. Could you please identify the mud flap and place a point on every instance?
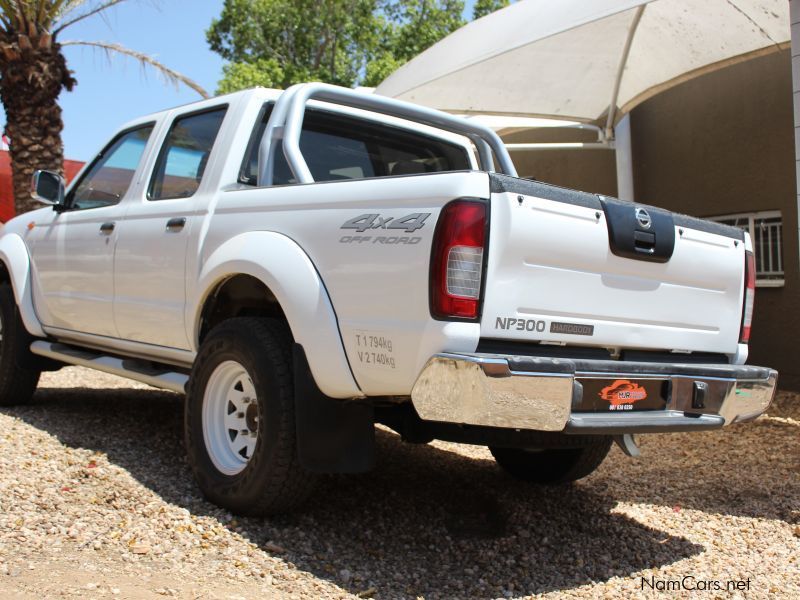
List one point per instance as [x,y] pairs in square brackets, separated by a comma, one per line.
[333,436]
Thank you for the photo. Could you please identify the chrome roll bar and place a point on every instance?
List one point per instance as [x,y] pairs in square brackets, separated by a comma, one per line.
[286,124]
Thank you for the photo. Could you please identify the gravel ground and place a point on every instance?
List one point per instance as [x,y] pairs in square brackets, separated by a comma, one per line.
[96,500]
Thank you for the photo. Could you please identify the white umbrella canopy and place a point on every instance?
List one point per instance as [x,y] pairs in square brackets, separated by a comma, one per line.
[573,59]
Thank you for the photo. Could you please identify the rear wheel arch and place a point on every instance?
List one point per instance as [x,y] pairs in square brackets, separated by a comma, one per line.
[275,270]
[239,295]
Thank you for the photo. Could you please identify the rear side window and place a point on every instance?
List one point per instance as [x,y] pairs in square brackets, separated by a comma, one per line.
[339,147]
[111,173]
[184,155]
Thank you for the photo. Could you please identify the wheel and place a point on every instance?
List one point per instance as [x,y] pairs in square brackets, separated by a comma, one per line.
[552,465]
[239,419]
[16,385]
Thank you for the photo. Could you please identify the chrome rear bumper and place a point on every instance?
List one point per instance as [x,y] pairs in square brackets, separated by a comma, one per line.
[533,393]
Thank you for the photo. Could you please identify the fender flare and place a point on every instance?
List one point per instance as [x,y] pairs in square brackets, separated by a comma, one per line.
[283,266]
[15,257]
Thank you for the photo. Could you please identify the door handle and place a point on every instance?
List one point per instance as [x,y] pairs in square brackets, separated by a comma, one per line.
[176,223]
[107,228]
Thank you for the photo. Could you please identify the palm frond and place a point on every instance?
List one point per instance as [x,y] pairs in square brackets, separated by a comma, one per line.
[21,16]
[70,5]
[38,16]
[67,8]
[29,17]
[4,17]
[46,10]
[145,60]
[67,20]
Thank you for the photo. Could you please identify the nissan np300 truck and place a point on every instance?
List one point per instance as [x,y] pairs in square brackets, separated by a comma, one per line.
[304,264]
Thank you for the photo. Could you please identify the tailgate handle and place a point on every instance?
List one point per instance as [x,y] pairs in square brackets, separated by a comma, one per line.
[644,242]
[639,232]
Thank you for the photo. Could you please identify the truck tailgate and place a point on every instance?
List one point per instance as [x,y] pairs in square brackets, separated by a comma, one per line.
[552,274]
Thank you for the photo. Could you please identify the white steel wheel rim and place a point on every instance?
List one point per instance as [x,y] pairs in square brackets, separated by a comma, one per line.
[230,417]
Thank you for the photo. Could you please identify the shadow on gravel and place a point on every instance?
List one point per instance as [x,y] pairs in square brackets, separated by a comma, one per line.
[426,522]
[720,472]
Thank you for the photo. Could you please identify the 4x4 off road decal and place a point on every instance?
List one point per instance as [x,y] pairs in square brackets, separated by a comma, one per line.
[409,223]
[623,392]
[371,221]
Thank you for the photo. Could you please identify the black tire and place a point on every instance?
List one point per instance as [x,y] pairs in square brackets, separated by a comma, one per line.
[16,384]
[272,481]
[552,465]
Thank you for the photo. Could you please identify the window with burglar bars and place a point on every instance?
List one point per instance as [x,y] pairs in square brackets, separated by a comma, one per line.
[766,232]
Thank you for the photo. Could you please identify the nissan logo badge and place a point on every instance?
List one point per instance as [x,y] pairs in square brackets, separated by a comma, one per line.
[643,218]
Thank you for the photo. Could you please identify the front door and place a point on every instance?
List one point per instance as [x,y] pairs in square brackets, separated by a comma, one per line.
[73,251]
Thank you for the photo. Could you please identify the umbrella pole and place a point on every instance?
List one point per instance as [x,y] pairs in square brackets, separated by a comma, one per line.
[624,158]
[622,130]
[623,61]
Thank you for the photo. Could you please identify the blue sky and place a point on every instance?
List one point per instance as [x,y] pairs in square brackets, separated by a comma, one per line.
[109,94]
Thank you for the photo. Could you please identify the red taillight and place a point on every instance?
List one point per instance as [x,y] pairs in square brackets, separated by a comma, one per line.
[457,260]
[749,296]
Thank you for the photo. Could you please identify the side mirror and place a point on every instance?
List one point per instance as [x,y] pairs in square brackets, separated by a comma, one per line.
[48,188]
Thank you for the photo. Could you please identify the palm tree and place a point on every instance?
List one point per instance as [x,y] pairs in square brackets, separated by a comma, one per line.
[33,70]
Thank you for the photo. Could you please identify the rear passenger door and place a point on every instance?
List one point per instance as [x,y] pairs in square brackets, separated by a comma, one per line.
[150,262]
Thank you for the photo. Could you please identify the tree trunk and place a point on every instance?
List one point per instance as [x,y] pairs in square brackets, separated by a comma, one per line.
[32,73]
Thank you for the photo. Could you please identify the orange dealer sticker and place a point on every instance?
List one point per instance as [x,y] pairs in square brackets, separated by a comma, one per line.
[623,391]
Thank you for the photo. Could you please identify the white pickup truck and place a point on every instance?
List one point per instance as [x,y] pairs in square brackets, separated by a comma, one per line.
[308,263]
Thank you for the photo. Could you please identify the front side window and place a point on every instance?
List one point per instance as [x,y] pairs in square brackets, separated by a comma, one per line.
[340,147]
[110,175]
[766,232]
[184,156]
